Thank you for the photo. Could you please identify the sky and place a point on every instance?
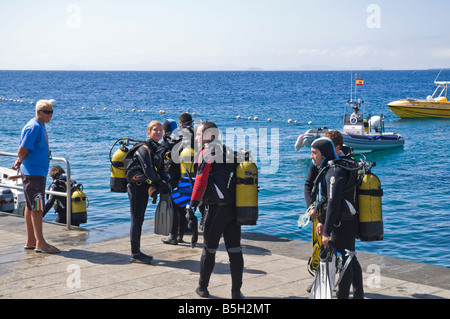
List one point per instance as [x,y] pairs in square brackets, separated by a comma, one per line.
[224,34]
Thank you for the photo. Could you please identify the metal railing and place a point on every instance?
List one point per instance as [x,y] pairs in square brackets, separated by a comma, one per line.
[67,194]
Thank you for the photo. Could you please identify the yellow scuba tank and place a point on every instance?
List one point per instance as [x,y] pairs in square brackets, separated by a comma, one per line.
[247,191]
[80,204]
[186,161]
[118,181]
[370,213]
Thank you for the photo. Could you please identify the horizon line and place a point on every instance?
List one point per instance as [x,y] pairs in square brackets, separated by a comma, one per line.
[220,70]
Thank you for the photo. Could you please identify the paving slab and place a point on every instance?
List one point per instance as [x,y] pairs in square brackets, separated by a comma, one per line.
[96,265]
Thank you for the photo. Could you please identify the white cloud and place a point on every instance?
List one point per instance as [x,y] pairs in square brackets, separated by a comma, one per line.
[441,53]
[350,52]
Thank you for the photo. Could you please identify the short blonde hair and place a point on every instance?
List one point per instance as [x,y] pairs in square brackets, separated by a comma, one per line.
[43,104]
[151,124]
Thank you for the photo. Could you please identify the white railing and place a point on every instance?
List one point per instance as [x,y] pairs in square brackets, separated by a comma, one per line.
[67,194]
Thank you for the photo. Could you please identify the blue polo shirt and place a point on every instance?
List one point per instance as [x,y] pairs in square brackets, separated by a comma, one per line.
[34,138]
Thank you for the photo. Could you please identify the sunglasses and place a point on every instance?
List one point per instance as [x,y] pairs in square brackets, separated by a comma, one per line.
[47,112]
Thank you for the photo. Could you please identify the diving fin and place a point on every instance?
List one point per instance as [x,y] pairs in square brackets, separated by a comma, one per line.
[323,285]
[194,238]
[164,215]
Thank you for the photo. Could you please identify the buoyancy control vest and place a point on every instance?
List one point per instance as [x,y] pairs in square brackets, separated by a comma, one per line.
[362,194]
[233,180]
[349,200]
[138,169]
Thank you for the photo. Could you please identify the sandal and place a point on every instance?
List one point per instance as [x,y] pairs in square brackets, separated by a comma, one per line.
[48,250]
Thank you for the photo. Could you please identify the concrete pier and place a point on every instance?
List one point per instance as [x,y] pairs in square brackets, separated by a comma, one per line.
[95,265]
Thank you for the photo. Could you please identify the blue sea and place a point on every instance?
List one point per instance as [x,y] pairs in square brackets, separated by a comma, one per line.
[94,109]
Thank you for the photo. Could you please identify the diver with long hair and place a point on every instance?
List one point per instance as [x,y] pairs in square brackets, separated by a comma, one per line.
[150,157]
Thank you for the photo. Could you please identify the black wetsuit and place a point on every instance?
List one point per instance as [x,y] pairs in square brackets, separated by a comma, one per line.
[336,216]
[59,185]
[343,228]
[138,192]
[220,219]
[173,147]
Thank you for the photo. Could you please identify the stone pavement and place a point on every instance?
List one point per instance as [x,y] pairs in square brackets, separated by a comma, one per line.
[95,265]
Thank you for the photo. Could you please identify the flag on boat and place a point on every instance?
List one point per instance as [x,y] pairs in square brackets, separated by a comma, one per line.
[359,82]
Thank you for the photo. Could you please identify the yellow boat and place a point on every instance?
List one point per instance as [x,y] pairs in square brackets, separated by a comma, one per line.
[433,106]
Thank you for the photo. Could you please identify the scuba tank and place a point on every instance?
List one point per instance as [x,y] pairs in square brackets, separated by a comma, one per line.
[118,181]
[247,191]
[80,204]
[370,213]
[186,161]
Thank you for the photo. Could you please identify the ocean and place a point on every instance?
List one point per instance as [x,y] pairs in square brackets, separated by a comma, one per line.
[94,109]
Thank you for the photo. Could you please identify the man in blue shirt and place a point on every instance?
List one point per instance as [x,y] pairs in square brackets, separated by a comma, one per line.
[33,161]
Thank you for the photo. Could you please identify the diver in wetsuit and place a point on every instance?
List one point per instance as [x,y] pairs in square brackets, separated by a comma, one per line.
[220,213]
[176,163]
[139,192]
[338,220]
[59,202]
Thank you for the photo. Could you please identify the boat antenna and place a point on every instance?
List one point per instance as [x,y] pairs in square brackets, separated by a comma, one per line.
[438,74]
[351,81]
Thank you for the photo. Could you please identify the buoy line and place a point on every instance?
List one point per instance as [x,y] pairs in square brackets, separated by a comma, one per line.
[119,109]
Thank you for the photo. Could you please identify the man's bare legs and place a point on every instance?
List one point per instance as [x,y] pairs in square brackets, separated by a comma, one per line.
[35,235]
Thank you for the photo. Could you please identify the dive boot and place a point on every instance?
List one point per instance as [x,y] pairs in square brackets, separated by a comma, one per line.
[141,258]
[202,292]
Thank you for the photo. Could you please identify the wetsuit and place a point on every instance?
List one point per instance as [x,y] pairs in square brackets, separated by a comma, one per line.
[59,203]
[220,217]
[153,166]
[174,146]
[337,217]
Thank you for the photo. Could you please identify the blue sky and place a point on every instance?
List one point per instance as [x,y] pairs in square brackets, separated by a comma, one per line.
[224,35]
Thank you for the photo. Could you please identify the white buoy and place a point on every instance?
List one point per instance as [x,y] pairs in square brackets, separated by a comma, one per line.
[255,118]
[289,121]
[238,117]
[269,119]
[310,122]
